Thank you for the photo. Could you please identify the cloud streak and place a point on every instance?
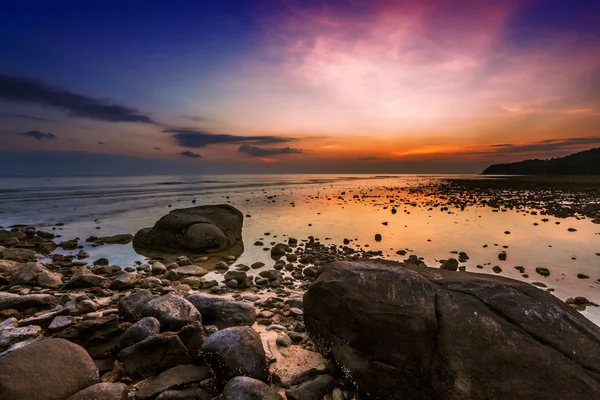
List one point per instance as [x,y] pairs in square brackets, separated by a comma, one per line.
[39,135]
[190,154]
[195,139]
[256,151]
[25,116]
[19,89]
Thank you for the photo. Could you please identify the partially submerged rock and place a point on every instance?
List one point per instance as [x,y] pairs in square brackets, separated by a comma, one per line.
[202,229]
[404,332]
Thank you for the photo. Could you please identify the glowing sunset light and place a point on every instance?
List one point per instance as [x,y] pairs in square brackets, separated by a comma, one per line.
[307,83]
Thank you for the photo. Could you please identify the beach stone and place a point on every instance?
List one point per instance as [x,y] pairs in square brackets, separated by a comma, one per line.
[283,340]
[61,322]
[103,391]
[18,254]
[154,355]
[312,390]
[239,276]
[172,311]
[130,307]
[24,302]
[221,312]
[209,228]
[8,266]
[122,238]
[158,268]
[91,332]
[35,274]
[271,275]
[257,265]
[192,337]
[430,332]
[450,264]
[543,271]
[244,388]
[145,327]
[173,377]
[191,270]
[84,278]
[236,351]
[49,369]
[8,337]
[124,281]
[278,250]
[186,394]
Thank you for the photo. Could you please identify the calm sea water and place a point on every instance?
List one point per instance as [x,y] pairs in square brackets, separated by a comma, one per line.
[303,205]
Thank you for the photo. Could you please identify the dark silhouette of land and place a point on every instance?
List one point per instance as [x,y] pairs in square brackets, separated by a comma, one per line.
[582,163]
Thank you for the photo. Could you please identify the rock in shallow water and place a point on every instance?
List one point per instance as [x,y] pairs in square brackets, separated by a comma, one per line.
[436,334]
[50,369]
[210,228]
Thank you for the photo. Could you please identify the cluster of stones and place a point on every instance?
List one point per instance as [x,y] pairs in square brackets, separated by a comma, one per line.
[154,331]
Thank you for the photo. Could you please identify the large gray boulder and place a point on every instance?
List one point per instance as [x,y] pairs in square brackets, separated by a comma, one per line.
[409,332]
[236,351]
[202,229]
[223,313]
[51,369]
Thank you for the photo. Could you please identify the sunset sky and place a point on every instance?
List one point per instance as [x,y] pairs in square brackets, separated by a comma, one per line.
[374,86]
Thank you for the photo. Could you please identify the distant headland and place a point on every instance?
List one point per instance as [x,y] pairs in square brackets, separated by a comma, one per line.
[582,163]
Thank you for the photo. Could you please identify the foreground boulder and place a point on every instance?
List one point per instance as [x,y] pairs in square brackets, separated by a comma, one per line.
[223,313]
[236,351]
[202,229]
[407,332]
[50,369]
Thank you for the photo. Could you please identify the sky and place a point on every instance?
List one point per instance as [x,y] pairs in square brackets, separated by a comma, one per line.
[294,86]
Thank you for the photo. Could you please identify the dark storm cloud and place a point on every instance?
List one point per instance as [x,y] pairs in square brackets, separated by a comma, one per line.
[27,90]
[256,151]
[25,116]
[190,154]
[193,138]
[545,146]
[39,135]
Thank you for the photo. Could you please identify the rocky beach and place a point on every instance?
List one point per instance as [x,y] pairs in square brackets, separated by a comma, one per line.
[203,300]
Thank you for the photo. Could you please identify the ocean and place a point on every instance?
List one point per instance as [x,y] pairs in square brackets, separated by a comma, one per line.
[282,206]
